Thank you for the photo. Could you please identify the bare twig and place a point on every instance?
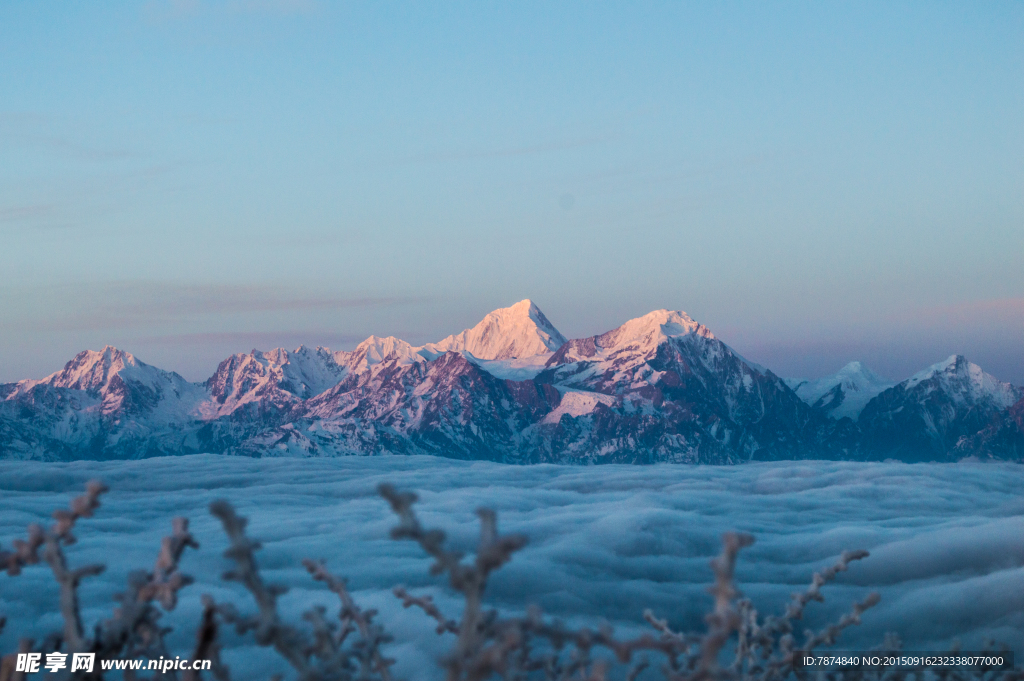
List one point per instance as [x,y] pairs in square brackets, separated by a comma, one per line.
[60,534]
[426,603]
[373,634]
[267,627]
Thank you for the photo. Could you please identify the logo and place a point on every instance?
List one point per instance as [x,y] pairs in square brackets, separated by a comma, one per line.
[29,663]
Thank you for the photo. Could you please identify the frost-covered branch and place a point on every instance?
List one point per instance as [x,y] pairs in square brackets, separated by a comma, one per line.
[373,635]
[510,647]
[319,655]
[266,625]
[52,540]
[134,630]
[427,605]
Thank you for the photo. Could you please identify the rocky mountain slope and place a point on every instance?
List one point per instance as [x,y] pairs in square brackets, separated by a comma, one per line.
[660,387]
[103,404]
[926,417]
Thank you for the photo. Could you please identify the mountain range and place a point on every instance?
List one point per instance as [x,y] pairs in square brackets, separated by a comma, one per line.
[660,387]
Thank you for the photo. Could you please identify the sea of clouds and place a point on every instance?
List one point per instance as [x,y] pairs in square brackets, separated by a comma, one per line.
[946,541]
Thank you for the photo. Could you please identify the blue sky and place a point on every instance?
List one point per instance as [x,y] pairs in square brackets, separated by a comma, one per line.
[816,182]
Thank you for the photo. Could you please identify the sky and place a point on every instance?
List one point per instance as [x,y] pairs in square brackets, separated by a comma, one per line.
[815,182]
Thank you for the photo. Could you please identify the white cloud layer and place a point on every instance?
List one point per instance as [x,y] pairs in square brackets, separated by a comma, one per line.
[947,541]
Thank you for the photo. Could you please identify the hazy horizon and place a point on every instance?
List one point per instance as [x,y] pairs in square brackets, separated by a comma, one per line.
[233,343]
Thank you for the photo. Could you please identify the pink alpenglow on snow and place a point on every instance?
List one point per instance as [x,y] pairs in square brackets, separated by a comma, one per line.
[513,332]
[660,387]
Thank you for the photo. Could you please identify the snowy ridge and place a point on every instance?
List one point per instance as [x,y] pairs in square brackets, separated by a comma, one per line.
[651,329]
[957,376]
[639,337]
[276,376]
[117,384]
[92,371]
[937,412]
[375,350]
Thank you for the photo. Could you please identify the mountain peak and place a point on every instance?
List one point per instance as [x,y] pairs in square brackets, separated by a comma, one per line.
[639,338]
[122,383]
[652,328]
[844,393]
[954,364]
[92,369]
[858,370]
[262,375]
[377,349]
[520,330]
[958,376]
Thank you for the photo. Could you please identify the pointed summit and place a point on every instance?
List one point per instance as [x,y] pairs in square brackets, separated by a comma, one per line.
[122,384]
[965,380]
[844,393]
[934,412]
[521,330]
[92,370]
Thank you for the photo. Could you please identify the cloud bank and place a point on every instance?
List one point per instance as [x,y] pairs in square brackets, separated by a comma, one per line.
[947,541]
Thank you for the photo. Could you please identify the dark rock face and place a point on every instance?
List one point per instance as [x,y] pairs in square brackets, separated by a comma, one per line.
[689,398]
[449,406]
[1002,438]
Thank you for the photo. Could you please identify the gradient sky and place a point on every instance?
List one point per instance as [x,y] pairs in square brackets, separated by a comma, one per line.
[816,182]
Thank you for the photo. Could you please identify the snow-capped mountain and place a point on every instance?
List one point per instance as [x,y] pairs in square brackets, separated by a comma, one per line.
[101,403]
[115,385]
[844,393]
[274,379]
[926,416]
[660,387]
[118,382]
[513,332]
[636,340]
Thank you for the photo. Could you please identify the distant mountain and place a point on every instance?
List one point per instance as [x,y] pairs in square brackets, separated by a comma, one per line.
[660,387]
[103,404]
[926,416]
[844,393]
